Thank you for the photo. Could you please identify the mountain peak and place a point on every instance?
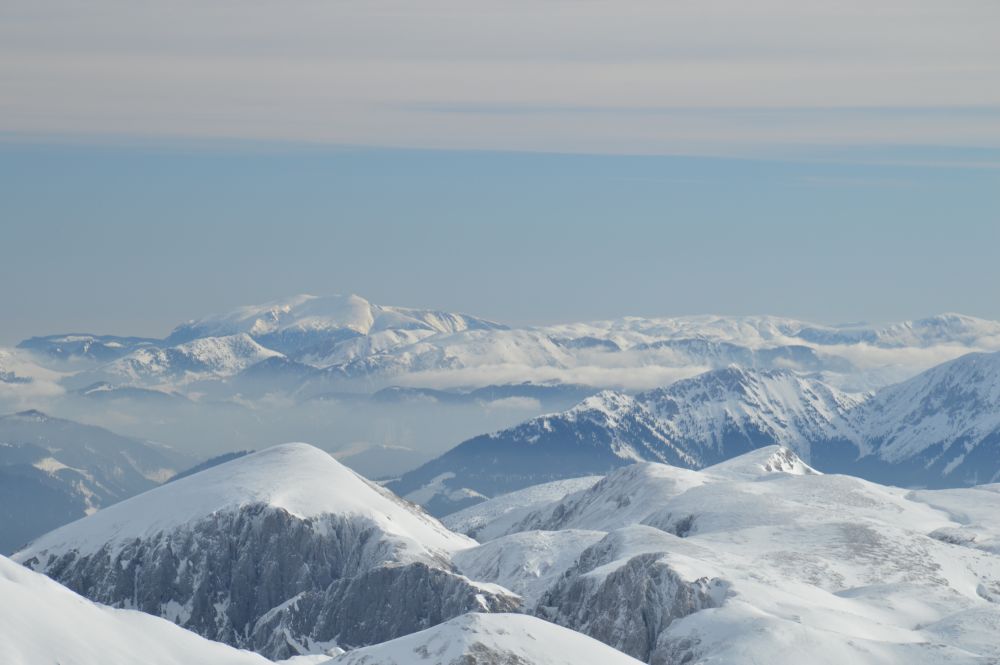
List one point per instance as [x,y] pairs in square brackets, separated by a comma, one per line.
[33,415]
[762,462]
[296,478]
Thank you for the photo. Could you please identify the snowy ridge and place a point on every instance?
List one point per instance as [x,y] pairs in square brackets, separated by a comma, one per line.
[296,477]
[692,423]
[489,639]
[776,406]
[44,622]
[760,462]
[200,358]
[957,400]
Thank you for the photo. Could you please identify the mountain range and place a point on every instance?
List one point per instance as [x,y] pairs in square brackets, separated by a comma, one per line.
[304,346]
[938,429]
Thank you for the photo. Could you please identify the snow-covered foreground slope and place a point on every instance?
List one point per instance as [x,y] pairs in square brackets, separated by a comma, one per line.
[489,639]
[691,423]
[53,471]
[761,559]
[281,551]
[44,623]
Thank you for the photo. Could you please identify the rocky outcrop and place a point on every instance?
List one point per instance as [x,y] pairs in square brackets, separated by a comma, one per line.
[263,579]
[628,602]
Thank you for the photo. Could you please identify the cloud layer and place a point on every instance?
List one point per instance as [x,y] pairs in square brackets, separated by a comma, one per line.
[713,77]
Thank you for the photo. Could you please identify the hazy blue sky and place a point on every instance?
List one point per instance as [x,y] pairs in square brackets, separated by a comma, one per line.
[135,240]
[522,160]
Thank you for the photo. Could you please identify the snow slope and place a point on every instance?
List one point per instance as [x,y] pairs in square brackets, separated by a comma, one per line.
[44,623]
[941,427]
[510,506]
[489,639]
[528,562]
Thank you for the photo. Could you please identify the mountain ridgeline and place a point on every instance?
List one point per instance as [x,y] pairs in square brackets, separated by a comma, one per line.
[938,429]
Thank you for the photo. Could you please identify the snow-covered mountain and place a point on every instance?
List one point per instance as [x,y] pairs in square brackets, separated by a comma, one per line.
[940,428]
[306,325]
[75,346]
[54,471]
[206,357]
[308,345]
[281,551]
[489,639]
[44,623]
[759,559]
[765,331]
[691,423]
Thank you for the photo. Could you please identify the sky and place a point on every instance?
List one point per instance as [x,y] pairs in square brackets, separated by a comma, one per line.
[529,162]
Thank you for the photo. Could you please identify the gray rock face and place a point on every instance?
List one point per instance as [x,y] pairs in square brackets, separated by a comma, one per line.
[262,579]
[630,607]
[376,606]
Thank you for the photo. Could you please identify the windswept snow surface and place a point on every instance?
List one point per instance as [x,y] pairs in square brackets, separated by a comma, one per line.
[44,623]
[760,559]
[509,506]
[489,639]
[528,562]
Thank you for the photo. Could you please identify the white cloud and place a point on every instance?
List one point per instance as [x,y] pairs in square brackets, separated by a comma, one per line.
[29,385]
[626,378]
[714,76]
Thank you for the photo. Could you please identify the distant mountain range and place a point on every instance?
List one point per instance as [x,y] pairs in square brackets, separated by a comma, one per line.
[306,346]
